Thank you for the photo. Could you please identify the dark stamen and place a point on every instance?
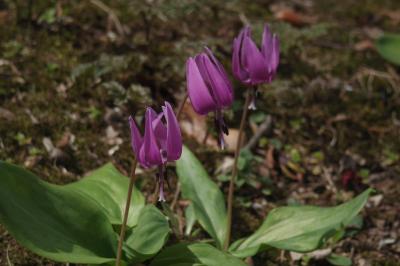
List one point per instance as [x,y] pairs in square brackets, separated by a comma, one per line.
[221,128]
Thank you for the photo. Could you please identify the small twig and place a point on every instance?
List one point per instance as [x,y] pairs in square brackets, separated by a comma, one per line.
[391,77]
[127,205]
[264,127]
[235,169]
[14,69]
[9,263]
[111,14]
[331,184]
[244,19]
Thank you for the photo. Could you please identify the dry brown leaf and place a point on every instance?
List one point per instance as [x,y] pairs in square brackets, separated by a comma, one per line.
[294,17]
[195,126]
[394,15]
[232,138]
[269,158]
[6,114]
[364,45]
[64,141]
[4,16]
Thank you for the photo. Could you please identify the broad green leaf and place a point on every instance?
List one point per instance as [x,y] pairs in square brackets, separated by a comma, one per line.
[173,219]
[109,188]
[195,254]
[389,47]
[339,260]
[54,221]
[190,218]
[208,201]
[148,237]
[299,228]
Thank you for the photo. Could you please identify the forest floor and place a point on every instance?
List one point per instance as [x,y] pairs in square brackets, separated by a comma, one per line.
[72,72]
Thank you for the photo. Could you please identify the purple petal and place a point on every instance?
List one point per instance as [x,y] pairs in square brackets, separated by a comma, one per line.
[237,57]
[255,62]
[266,44]
[245,32]
[224,76]
[199,59]
[136,138]
[199,94]
[160,131]
[150,151]
[174,138]
[275,53]
[270,50]
[220,85]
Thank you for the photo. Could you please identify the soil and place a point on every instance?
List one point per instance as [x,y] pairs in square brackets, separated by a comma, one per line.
[71,72]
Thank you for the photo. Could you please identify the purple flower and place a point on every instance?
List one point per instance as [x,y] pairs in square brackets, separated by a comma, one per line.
[209,88]
[161,143]
[250,65]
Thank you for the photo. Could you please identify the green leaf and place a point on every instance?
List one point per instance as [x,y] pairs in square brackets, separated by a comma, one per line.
[208,201]
[195,254]
[190,218]
[148,237]
[339,260]
[388,47]
[54,221]
[299,228]
[49,16]
[173,219]
[109,188]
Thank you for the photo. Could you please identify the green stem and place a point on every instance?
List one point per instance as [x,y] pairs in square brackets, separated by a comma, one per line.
[128,203]
[178,186]
[235,169]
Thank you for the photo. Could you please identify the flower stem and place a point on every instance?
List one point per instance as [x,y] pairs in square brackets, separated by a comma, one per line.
[178,186]
[235,169]
[128,203]
[181,105]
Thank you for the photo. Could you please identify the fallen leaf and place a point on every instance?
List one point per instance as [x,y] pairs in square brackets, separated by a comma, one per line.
[269,158]
[31,161]
[62,90]
[195,126]
[114,115]
[6,114]
[34,120]
[232,138]
[112,136]
[394,15]
[294,17]
[225,166]
[65,140]
[364,45]
[113,150]
[317,254]
[376,200]
[54,153]
[373,32]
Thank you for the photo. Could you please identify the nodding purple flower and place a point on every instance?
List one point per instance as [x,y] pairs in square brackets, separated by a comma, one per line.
[251,65]
[209,88]
[161,143]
